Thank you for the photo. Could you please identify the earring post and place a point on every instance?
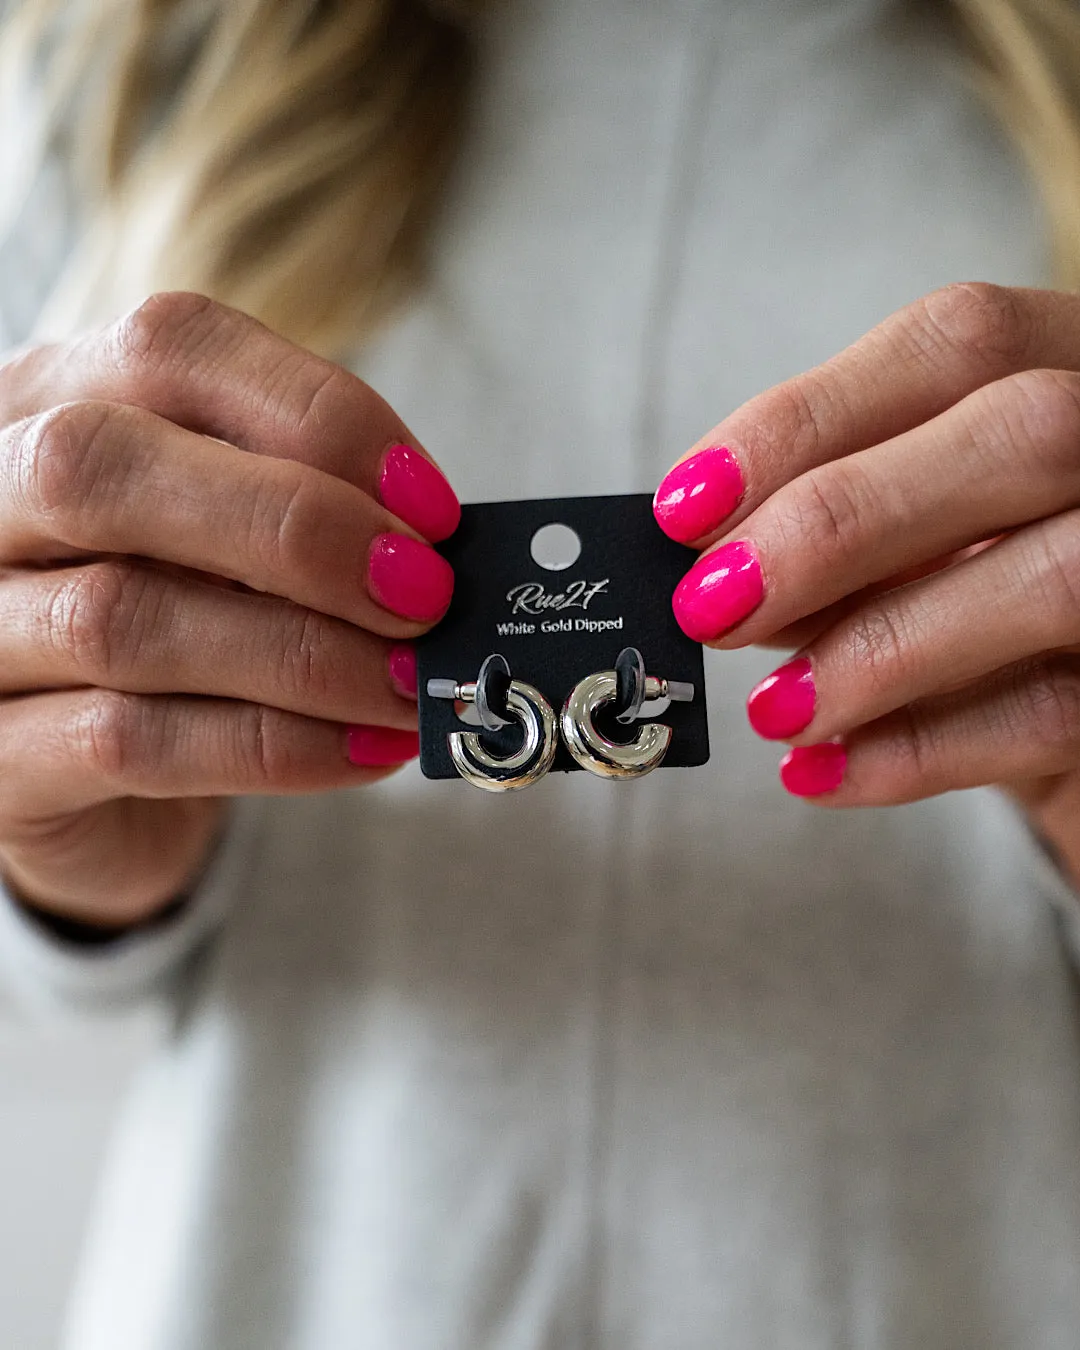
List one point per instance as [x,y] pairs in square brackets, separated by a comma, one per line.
[679,691]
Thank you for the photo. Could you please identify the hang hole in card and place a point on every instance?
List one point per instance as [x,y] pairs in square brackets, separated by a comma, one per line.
[555,547]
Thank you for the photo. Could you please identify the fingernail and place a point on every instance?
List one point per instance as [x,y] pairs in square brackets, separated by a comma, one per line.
[417,493]
[782,704]
[718,592]
[370,747]
[699,494]
[402,665]
[813,770]
[409,578]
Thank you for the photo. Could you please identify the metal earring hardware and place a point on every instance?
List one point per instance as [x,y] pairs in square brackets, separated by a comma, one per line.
[495,693]
[628,687]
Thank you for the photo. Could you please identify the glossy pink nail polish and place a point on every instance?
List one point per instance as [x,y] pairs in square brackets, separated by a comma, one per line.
[402,667]
[813,770]
[718,592]
[409,577]
[370,747]
[699,494]
[782,704]
[417,493]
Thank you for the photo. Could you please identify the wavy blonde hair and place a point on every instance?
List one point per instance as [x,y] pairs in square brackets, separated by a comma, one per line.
[282,155]
[286,156]
[1028,61]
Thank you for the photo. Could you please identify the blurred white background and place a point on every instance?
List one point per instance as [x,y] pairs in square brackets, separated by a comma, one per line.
[60,1086]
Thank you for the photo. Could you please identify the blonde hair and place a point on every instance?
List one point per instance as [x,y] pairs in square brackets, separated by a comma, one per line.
[287,156]
[1028,55]
[282,155]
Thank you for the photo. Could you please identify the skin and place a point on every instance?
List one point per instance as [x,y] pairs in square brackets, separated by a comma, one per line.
[915,506]
[178,494]
[186,507]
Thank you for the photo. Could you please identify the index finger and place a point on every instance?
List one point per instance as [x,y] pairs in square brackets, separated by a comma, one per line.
[912,367]
[97,478]
[213,370]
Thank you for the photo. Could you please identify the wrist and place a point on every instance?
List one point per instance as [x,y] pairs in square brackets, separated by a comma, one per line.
[89,921]
[89,930]
[119,888]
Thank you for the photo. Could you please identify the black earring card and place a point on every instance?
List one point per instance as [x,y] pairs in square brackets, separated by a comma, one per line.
[554,627]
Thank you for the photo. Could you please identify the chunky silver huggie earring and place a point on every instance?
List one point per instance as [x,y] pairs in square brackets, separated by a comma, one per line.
[493,693]
[628,687]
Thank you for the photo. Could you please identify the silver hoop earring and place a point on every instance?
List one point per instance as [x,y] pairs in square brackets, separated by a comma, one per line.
[494,692]
[629,686]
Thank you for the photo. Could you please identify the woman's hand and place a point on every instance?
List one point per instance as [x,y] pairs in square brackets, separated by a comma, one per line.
[908,515]
[212,546]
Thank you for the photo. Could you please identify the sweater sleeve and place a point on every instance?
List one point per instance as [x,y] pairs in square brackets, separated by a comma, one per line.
[41,971]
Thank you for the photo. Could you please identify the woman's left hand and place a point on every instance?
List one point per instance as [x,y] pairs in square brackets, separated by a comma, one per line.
[908,516]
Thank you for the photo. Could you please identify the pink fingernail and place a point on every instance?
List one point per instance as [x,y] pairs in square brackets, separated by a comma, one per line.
[813,770]
[417,493]
[699,494]
[782,705]
[402,666]
[370,747]
[718,592]
[409,578]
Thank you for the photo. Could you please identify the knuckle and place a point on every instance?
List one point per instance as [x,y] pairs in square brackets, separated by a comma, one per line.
[314,391]
[115,734]
[1039,411]
[795,414]
[979,320]
[265,752]
[907,757]
[1050,562]
[166,325]
[879,645]
[283,523]
[918,745]
[825,510]
[58,456]
[1049,704]
[97,618]
[305,669]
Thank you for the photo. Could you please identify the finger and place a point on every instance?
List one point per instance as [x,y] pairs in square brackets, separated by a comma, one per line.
[1023,722]
[70,750]
[214,370]
[789,705]
[123,625]
[1005,455]
[907,370]
[804,631]
[106,478]
[998,607]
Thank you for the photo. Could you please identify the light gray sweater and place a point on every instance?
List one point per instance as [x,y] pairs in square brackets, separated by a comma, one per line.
[667,1066]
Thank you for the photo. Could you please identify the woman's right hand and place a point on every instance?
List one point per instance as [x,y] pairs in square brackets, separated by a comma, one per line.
[203,583]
